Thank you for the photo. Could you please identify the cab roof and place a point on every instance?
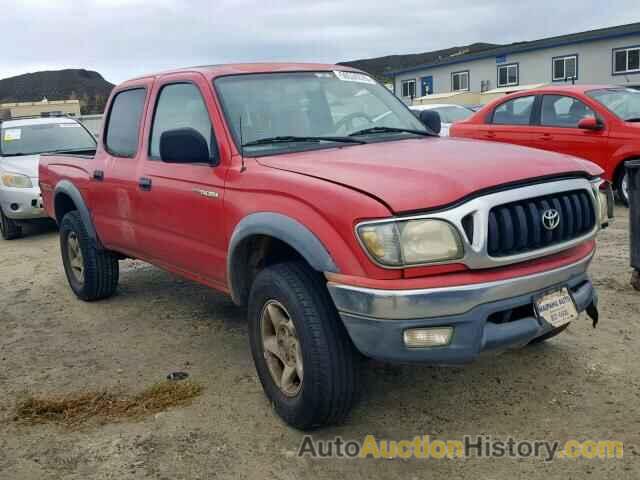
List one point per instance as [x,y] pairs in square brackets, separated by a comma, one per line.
[214,71]
[24,122]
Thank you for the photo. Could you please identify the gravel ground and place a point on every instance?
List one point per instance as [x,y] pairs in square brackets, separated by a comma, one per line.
[583,384]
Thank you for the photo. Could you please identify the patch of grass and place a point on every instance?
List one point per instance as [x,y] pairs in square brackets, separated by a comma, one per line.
[104,406]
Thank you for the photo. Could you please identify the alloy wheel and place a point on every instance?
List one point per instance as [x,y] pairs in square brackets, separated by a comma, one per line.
[74,253]
[282,349]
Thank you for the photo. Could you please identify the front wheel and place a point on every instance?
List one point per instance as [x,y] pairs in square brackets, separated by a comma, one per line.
[303,355]
[622,187]
[92,273]
[9,228]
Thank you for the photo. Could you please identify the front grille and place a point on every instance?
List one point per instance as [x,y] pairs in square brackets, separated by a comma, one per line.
[517,227]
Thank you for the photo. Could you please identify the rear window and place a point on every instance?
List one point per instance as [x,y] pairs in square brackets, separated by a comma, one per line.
[123,127]
[44,138]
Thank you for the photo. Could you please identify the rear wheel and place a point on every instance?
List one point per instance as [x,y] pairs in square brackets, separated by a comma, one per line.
[92,273]
[304,357]
[9,228]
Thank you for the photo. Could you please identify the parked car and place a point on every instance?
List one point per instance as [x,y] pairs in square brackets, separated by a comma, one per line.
[21,143]
[449,114]
[362,235]
[596,122]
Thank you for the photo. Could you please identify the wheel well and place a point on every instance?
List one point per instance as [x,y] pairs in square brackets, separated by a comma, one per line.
[63,204]
[251,256]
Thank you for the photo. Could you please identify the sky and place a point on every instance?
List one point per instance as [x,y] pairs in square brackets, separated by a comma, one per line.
[122,39]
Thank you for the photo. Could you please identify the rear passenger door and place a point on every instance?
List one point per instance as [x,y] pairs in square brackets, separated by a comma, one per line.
[558,130]
[511,121]
[114,188]
[181,219]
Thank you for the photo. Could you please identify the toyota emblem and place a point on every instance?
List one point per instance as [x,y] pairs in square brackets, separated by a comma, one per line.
[551,219]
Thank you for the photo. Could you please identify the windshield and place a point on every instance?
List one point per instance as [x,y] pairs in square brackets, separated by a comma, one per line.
[453,114]
[310,104]
[43,138]
[623,102]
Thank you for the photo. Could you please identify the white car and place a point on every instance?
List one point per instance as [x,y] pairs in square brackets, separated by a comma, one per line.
[449,114]
[21,143]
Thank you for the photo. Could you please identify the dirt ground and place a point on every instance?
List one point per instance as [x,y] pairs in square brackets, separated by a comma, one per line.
[584,384]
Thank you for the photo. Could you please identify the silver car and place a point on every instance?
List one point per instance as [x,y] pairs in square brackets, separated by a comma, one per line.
[21,143]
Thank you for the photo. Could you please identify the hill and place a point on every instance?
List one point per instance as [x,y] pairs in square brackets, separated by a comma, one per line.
[380,67]
[87,86]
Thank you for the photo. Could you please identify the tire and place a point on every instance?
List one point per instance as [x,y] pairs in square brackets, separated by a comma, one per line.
[329,384]
[92,275]
[622,187]
[548,335]
[9,228]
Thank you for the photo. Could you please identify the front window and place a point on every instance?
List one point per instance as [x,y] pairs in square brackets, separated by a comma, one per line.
[508,75]
[310,105]
[563,111]
[623,102]
[460,81]
[626,60]
[565,68]
[409,88]
[43,137]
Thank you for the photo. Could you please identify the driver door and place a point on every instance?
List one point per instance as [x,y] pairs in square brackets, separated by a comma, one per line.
[182,223]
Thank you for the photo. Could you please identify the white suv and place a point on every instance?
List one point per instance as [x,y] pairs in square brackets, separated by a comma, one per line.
[21,143]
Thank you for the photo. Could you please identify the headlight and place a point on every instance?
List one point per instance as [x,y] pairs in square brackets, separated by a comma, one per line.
[15,180]
[411,242]
[604,195]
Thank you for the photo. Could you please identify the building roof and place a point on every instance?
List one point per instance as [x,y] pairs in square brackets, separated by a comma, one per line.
[520,47]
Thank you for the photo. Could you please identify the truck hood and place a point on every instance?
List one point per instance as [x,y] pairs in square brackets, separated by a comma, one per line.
[424,173]
[25,165]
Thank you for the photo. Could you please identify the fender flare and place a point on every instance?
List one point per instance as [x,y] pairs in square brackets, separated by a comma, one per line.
[67,188]
[284,228]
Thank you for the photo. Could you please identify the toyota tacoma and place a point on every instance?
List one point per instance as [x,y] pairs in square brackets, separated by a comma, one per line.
[311,195]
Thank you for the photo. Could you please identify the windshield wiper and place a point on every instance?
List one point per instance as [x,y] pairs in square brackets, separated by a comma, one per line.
[373,130]
[632,119]
[294,139]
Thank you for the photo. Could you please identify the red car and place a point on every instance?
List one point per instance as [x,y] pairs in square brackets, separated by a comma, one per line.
[315,198]
[596,122]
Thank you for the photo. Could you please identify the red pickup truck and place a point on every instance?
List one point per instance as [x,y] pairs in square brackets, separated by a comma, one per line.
[312,195]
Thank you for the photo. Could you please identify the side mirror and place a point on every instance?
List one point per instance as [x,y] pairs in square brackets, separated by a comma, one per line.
[590,123]
[184,145]
[431,120]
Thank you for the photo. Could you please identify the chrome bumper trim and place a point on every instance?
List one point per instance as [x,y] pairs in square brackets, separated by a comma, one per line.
[439,302]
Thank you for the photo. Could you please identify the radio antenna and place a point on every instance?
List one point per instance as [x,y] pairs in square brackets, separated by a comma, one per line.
[243,167]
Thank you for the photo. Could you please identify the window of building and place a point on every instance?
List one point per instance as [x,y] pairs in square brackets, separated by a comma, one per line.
[180,105]
[565,68]
[563,111]
[514,112]
[508,75]
[123,127]
[460,81]
[626,60]
[409,88]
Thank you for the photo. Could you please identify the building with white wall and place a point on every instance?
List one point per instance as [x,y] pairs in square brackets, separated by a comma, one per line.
[604,56]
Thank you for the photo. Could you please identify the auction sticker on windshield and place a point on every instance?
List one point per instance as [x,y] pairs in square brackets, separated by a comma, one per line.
[12,134]
[556,308]
[354,77]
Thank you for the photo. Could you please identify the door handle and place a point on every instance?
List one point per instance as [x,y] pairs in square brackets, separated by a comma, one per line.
[98,175]
[546,136]
[491,134]
[144,183]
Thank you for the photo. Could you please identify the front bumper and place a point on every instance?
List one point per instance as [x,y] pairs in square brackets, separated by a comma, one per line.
[27,200]
[485,316]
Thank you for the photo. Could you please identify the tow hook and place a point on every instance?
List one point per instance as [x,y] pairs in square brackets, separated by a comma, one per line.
[592,311]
